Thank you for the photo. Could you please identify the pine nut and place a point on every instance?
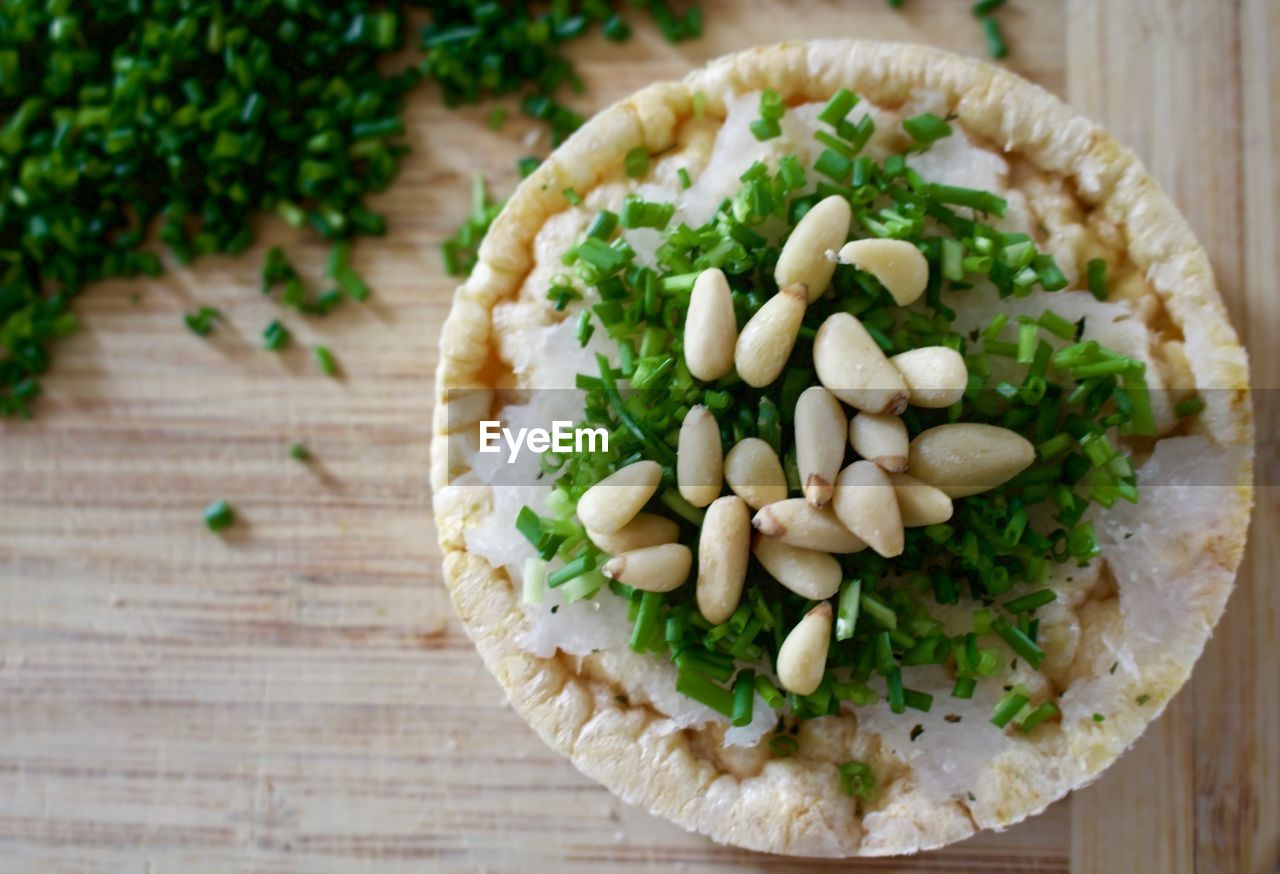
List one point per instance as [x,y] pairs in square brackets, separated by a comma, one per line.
[710,327]
[802,658]
[919,503]
[966,458]
[936,376]
[808,573]
[882,439]
[804,258]
[853,367]
[724,549]
[700,458]
[766,339]
[819,421]
[646,529]
[616,499]
[796,523]
[652,569]
[865,502]
[899,265]
[754,473]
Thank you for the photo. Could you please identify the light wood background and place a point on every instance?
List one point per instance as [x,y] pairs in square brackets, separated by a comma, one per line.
[297,695]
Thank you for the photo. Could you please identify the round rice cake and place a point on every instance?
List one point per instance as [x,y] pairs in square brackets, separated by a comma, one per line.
[1124,632]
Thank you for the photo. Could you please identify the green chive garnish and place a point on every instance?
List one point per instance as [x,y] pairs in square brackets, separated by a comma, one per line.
[637,162]
[857,780]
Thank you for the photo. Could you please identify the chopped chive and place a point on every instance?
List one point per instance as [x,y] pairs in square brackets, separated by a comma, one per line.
[1096,270]
[1098,717]
[996,46]
[299,452]
[325,359]
[1189,407]
[275,336]
[982,201]
[1019,642]
[834,165]
[218,516]
[1028,334]
[927,128]
[637,162]
[1047,710]
[769,692]
[838,107]
[857,780]
[985,7]
[1008,707]
[572,196]
[953,260]
[783,745]
[880,612]
[847,612]
[744,697]
[528,524]
[201,321]
[685,181]
[765,129]
[526,165]
[964,687]
[705,691]
[535,579]
[1057,325]
[897,695]
[1030,601]
[571,570]
[646,620]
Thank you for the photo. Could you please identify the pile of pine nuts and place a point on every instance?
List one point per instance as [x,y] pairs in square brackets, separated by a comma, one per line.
[894,484]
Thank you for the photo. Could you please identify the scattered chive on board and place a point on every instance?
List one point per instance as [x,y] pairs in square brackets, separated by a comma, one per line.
[196,117]
[218,516]
[201,321]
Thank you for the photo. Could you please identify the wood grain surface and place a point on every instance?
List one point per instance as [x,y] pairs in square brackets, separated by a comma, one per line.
[297,695]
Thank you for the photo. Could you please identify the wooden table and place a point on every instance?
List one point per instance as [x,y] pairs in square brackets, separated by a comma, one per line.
[297,696]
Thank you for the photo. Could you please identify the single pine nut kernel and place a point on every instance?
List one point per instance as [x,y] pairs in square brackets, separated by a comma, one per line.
[768,336]
[646,529]
[653,568]
[796,523]
[616,499]
[808,573]
[865,502]
[754,473]
[724,550]
[700,458]
[819,421]
[854,368]
[920,503]
[802,658]
[936,376]
[882,439]
[967,458]
[803,259]
[899,265]
[710,327]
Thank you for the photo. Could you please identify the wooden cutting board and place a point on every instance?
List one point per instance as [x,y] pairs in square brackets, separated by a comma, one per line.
[297,695]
